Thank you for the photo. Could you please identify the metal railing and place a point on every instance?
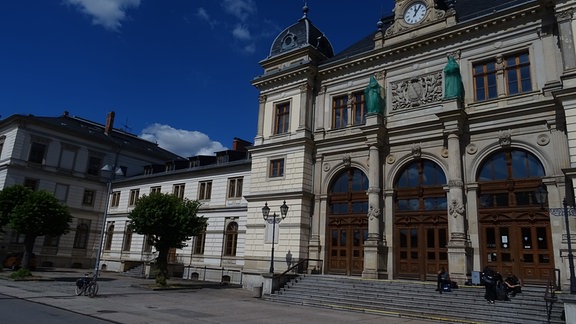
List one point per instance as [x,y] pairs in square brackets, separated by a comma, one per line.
[550,298]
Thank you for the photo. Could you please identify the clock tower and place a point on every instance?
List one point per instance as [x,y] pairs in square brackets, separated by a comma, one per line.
[413,18]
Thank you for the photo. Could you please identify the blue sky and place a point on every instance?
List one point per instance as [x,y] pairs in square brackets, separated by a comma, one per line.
[176,72]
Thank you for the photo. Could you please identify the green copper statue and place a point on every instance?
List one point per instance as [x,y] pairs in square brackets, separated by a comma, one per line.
[453,87]
[374,101]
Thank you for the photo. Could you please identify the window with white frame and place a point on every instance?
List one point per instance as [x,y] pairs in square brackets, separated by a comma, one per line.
[134,195]
[115,199]
[235,187]
[205,190]
[178,190]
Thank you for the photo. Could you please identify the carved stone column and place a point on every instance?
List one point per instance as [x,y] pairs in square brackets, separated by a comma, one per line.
[564,19]
[319,115]
[318,216]
[458,241]
[373,248]
[456,212]
[261,107]
[304,95]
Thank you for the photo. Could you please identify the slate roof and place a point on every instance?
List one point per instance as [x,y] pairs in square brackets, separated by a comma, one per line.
[466,10]
[94,132]
[301,34]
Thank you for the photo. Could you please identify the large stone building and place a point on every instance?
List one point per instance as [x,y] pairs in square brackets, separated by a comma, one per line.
[474,115]
[65,155]
[219,183]
[423,145]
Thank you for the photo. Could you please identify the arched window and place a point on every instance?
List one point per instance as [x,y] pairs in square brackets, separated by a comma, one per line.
[109,234]
[348,193]
[199,242]
[82,231]
[127,237]
[419,187]
[499,179]
[231,239]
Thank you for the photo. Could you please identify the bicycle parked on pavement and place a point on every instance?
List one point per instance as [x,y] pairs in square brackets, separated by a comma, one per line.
[87,285]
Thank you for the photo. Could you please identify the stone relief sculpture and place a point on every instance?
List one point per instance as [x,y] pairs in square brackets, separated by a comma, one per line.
[372,94]
[417,92]
[453,87]
[456,208]
[373,213]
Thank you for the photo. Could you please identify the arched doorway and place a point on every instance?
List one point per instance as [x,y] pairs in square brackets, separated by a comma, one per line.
[515,233]
[420,221]
[347,223]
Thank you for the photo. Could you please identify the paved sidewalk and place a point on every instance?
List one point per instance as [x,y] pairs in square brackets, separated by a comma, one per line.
[128,300]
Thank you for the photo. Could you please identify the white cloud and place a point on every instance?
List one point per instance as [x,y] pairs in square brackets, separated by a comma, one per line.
[241,33]
[107,13]
[182,142]
[204,16]
[241,9]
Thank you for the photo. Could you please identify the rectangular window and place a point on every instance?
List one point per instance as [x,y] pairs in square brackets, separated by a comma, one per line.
[31,183]
[134,195]
[68,157]
[147,247]
[2,140]
[340,112]
[235,187]
[282,118]
[61,192]
[156,189]
[518,73]
[178,190]
[485,80]
[88,199]
[94,165]
[51,241]
[359,109]
[276,168]
[115,199]
[205,190]
[37,152]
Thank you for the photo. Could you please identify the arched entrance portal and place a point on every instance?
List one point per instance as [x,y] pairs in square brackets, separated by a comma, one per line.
[515,233]
[420,221]
[347,223]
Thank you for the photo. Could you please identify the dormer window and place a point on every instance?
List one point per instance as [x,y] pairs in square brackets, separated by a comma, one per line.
[289,41]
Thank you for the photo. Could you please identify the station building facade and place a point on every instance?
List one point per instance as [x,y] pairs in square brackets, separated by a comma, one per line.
[476,116]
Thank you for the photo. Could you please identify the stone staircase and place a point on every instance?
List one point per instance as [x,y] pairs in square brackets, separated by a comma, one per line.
[415,299]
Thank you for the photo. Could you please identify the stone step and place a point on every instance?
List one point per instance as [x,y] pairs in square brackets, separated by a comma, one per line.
[415,299]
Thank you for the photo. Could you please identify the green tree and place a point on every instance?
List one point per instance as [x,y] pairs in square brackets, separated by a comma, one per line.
[168,222]
[33,214]
[10,197]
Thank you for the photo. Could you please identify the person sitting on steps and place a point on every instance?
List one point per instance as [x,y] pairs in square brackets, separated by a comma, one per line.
[443,280]
[513,285]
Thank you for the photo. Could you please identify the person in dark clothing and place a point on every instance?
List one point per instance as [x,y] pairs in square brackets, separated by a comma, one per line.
[489,278]
[513,285]
[443,279]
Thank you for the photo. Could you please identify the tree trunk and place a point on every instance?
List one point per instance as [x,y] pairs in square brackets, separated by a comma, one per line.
[162,266]
[28,248]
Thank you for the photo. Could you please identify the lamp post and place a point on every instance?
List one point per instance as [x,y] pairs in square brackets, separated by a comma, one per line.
[272,219]
[117,171]
[541,194]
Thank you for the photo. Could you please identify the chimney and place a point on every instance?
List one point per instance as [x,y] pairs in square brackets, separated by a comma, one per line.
[109,123]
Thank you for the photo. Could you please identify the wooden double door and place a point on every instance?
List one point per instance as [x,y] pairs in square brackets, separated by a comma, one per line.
[346,245]
[420,249]
[522,247]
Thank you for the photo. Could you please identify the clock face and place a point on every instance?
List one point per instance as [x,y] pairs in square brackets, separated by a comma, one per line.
[415,12]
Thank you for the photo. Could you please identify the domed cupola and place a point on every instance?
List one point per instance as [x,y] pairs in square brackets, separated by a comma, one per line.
[301,34]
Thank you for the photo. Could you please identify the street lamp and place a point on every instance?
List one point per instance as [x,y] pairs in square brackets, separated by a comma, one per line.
[272,219]
[541,194]
[117,171]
